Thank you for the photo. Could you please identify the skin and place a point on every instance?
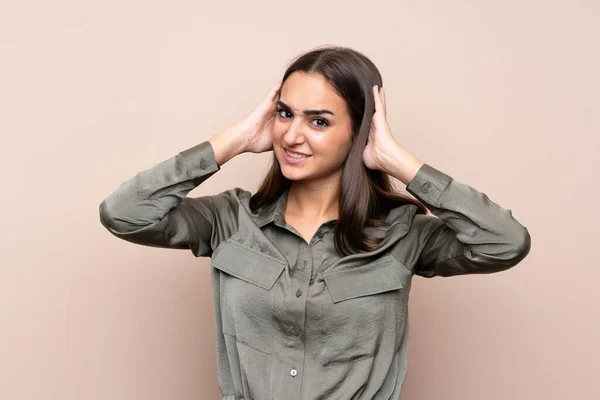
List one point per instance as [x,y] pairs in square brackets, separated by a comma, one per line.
[383,152]
[324,137]
[313,194]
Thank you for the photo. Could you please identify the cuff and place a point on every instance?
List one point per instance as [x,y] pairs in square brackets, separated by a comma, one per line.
[200,159]
[428,184]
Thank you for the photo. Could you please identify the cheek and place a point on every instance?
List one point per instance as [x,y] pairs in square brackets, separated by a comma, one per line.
[336,145]
[279,129]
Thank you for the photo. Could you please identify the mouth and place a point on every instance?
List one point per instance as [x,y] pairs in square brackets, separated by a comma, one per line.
[293,157]
[295,152]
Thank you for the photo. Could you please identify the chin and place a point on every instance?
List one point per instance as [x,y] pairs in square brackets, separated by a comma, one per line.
[293,176]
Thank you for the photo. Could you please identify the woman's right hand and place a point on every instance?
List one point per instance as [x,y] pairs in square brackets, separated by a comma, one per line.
[256,127]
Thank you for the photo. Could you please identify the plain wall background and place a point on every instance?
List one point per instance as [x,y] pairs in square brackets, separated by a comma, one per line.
[501,95]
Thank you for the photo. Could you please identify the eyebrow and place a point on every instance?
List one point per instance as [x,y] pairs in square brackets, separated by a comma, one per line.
[306,112]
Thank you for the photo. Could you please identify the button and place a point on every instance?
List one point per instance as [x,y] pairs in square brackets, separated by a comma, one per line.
[296,332]
[202,164]
[425,188]
[298,293]
[302,266]
[293,372]
[320,235]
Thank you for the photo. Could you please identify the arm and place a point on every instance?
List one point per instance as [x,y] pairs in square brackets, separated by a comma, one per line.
[152,209]
[468,234]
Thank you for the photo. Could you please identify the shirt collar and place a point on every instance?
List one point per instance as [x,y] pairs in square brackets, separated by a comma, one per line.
[272,212]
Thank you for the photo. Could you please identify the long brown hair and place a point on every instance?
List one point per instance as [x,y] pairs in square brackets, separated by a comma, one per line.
[365,195]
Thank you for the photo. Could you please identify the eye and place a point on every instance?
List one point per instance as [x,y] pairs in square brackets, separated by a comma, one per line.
[279,110]
[324,121]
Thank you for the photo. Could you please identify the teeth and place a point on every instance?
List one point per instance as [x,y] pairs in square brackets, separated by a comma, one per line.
[295,155]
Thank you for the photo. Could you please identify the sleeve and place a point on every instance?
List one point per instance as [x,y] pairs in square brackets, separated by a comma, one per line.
[468,233]
[152,209]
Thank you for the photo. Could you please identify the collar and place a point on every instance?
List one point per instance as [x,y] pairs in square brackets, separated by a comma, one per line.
[272,212]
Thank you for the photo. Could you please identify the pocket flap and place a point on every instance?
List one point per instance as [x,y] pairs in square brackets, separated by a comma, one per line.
[248,264]
[374,277]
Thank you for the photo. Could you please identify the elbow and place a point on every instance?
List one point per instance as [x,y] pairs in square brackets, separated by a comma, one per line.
[525,243]
[106,218]
[110,219]
[122,219]
[521,246]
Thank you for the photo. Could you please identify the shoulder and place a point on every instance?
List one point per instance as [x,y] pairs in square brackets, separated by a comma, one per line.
[405,214]
[223,207]
[410,230]
[407,224]
[221,211]
[231,198]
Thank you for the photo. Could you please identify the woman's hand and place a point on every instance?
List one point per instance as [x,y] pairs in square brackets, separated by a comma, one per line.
[256,128]
[381,142]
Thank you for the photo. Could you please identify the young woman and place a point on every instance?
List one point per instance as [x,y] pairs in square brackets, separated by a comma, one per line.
[311,274]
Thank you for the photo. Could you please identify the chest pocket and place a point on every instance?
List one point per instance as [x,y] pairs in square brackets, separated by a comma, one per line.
[247,294]
[353,319]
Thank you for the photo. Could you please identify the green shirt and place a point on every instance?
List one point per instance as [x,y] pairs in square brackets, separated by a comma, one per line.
[294,319]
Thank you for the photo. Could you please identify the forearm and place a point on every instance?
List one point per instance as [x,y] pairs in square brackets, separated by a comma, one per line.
[471,234]
[147,197]
[401,164]
[226,145]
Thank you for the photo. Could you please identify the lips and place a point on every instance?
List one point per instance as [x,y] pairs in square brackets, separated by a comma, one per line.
[296,152]
[294,160]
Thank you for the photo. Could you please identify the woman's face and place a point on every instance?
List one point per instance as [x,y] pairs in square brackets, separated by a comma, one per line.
[324,136]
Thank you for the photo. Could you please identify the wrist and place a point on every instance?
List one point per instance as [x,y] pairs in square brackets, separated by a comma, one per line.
[226,145]
[401,164]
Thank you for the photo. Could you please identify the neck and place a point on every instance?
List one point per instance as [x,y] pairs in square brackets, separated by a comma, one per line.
[314,199]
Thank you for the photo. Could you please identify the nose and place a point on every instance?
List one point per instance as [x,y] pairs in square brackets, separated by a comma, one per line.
[293,135]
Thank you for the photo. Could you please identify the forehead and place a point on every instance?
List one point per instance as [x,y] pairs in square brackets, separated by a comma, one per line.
[303,91]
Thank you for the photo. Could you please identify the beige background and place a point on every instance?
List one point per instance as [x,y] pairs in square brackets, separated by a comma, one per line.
[502,95]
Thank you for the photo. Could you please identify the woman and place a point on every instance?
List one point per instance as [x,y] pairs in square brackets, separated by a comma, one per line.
[311,274]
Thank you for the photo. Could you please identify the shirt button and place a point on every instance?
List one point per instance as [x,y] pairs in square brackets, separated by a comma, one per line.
[202,164]
[298,293]
[320,235]
[293,372]
[425,188]
[302,266]
[296,332]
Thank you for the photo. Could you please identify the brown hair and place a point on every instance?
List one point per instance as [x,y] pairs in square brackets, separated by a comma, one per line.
[365,195]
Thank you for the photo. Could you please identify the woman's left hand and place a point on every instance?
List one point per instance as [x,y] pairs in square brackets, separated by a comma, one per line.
[381,140]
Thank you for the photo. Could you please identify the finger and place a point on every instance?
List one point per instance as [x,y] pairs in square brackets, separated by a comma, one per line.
[378,106]
[277,85]
[384,101]
[273,91]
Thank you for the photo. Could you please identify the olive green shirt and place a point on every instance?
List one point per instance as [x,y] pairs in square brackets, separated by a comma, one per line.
[294,319]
